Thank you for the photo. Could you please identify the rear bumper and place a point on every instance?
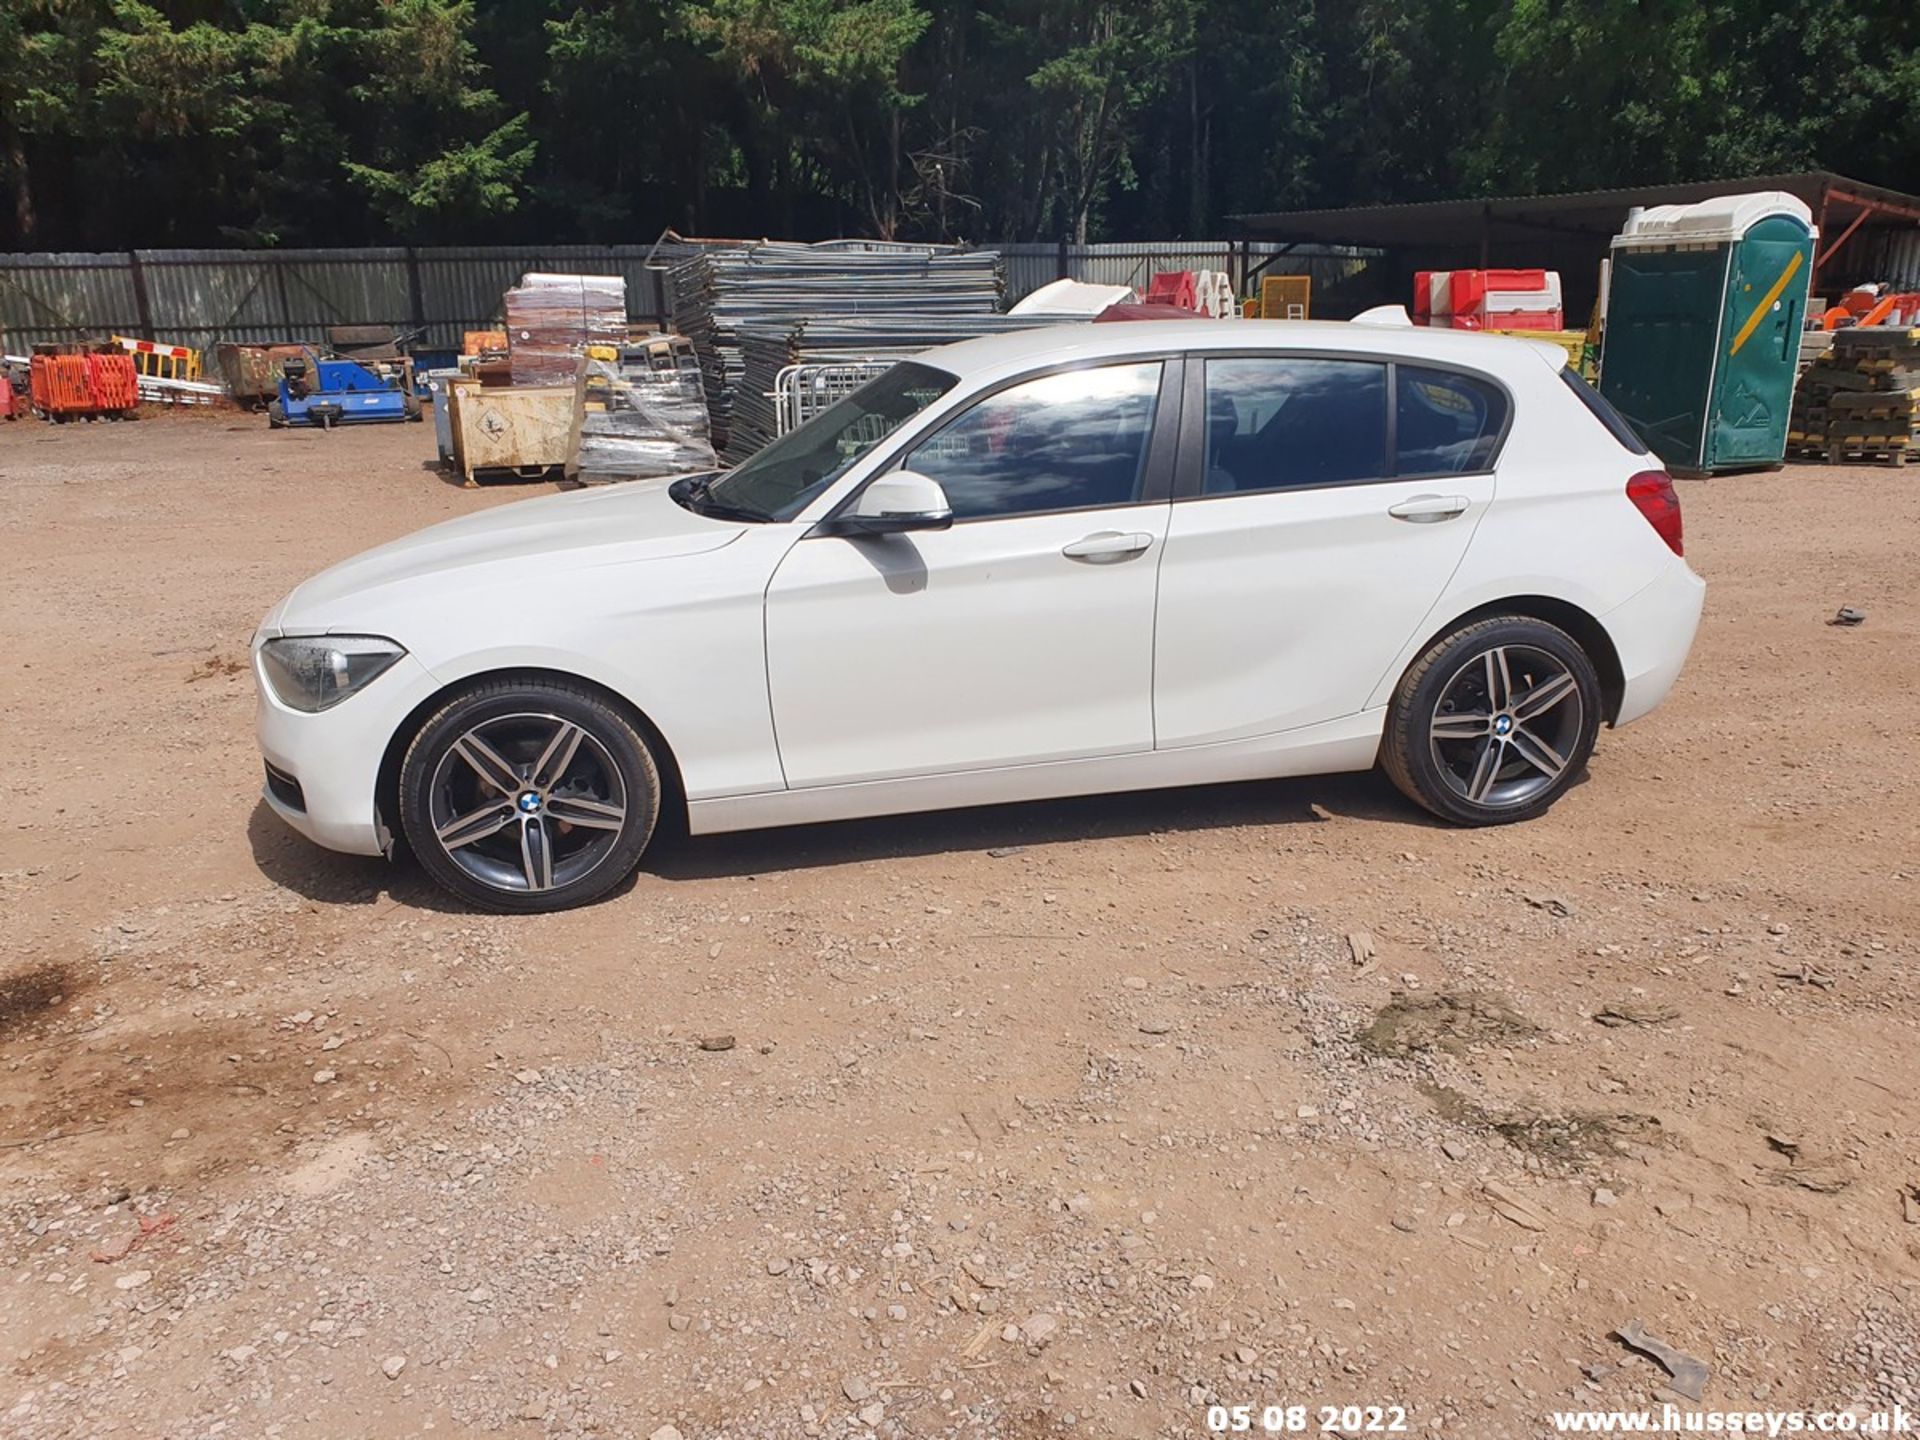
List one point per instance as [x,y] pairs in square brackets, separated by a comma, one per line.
[1652,633]
[329,764]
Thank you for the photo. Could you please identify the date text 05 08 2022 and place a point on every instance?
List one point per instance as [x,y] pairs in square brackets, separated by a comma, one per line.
[1300,1419]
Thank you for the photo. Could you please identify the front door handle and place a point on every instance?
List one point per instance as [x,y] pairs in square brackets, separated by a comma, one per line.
[1104,547]
[1426,509]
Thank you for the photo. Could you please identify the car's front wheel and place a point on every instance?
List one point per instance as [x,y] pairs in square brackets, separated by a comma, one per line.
[528,795]
[1493,722]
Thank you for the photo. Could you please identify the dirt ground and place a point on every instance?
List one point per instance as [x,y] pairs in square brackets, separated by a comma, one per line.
[1048,1120]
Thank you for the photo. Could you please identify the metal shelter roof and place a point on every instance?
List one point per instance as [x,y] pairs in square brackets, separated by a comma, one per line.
[1582,212]
[1570,231]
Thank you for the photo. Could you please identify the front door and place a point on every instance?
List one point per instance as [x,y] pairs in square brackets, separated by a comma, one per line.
[1314,538]
[1021,635]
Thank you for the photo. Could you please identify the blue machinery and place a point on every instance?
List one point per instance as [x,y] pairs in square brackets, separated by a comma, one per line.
[342,392]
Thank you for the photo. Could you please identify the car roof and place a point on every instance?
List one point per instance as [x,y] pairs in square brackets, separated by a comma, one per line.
[1066,343]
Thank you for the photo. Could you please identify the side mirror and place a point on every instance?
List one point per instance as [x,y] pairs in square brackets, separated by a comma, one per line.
[895,503]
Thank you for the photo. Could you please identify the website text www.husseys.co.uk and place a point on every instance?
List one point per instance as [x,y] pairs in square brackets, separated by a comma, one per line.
[1672,1420]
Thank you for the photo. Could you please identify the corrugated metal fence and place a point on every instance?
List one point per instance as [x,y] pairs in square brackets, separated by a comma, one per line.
[201,297]
[1892,256]
[1028,267]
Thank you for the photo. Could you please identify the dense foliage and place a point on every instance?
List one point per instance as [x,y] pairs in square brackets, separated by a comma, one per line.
[353,121]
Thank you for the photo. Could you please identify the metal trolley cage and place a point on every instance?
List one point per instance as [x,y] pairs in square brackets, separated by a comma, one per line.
[801,392]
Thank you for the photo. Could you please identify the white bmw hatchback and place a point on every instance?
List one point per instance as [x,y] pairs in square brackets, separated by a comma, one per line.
[1056,562]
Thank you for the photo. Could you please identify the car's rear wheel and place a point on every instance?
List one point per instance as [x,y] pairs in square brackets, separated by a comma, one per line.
[1493,722]
[528,795]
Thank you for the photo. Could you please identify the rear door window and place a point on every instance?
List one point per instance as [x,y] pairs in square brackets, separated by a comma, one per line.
[1284,422]
[1445,423]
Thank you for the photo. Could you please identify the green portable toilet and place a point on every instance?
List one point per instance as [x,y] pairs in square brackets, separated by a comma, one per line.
[1704,308]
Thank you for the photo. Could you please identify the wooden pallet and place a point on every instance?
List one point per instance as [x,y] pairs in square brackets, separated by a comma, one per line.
[1849,456]
[1857,436]
[1895,459]
[1836,454]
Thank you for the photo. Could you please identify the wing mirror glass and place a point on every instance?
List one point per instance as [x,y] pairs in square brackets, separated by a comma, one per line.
[897,502]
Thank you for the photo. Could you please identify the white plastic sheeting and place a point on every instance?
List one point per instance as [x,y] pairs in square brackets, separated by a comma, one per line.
[1074,299]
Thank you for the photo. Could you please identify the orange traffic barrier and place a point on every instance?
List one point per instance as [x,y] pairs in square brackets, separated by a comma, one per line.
[114,382]
[1863,307]
[83,384]
[59,384]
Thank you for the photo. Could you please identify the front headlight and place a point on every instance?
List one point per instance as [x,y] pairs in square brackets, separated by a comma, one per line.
[313,672]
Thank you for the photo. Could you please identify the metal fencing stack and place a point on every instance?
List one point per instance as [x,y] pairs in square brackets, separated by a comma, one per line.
[801,392]
[721,293]
[789,373]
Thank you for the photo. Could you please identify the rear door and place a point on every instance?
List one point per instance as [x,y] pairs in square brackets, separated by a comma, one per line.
[1323,504]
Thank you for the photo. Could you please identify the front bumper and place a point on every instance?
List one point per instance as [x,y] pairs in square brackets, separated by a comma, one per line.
[1652,634]
[329,763]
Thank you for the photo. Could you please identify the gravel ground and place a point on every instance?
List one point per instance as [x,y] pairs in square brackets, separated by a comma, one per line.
[1049,1120]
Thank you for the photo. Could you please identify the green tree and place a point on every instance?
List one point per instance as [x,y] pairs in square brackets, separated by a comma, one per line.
[423,135]
[823,98]
[630,69]
[349,121]
[47,51]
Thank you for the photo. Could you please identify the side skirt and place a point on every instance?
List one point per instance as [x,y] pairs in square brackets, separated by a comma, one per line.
[1350,743]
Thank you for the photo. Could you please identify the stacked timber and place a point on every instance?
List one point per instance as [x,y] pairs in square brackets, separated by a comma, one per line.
[1859,402]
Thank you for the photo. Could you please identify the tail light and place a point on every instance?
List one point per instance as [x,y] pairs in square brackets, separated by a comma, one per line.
[1652,494]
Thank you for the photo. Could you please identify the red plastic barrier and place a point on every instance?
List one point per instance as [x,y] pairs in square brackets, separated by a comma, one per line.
[1521,320]
[1470,287]
[1174,287]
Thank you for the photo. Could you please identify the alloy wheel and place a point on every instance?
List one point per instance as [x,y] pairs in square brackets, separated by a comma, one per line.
[529,802]
[1506,726]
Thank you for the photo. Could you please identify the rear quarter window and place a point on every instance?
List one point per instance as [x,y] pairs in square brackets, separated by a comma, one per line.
[1604,412]
[1445,423]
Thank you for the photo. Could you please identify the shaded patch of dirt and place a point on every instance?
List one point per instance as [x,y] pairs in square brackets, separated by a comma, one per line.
[1574,1138]
[1568,1139]
[1411,1024]
[121,1094]
[28,994]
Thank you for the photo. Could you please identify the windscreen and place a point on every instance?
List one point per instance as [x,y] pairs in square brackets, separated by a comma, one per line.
[778,483]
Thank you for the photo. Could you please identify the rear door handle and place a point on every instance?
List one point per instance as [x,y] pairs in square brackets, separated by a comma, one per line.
[1104,547]
[1426,509]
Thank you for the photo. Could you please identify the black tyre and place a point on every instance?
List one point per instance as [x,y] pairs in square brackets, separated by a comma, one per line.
[1493,722]
[276,415]
[528,795]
